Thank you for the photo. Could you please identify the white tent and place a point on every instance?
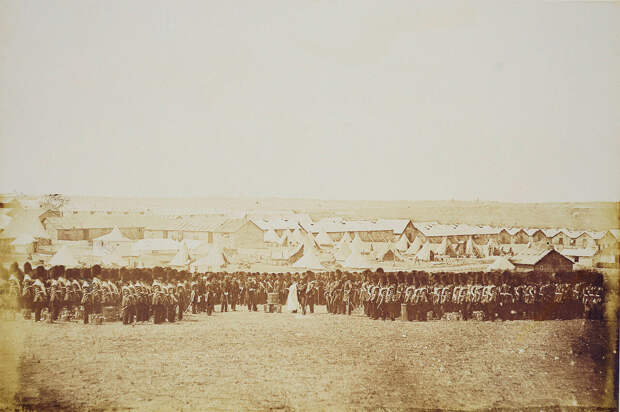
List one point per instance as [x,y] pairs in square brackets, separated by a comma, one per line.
[112,260]
[309,261]
[157,245]
[24,239]
[271,236]
[25,222]
[4,220]
[65,258]
[443,247]
[343,251]
[403,243]
[181,259]
[344,239]
[426,253]
[356,260]
[284,241]
[310,243]
[501,263]
[114,236]
[390,253]
[414,247]
[214,260]
[323,239]
[471,249]
[358,245]
[296,236]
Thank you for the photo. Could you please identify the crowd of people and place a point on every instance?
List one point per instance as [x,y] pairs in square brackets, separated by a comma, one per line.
[165,295]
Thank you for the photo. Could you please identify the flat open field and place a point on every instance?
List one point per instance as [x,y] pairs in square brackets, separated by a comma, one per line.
[260,361]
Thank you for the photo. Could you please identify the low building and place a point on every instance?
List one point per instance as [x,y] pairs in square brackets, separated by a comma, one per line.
[547,260]
[585,257]
[239,234]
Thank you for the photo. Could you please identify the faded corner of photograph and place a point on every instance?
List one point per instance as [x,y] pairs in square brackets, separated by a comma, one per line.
[309,205]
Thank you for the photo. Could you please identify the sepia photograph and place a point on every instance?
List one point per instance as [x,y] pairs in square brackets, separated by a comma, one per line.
[309,205]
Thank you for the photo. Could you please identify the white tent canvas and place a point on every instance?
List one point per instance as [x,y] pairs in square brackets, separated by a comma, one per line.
[214,260]
[343,251]
[309,260]
[390,253]
[181,259]
[24,239]
[501,263]
[323,239]
[358,245]
[65,258]
[114,236]
[425,253]
[112,260]
[443,247]
[344,239]
[356,261]
[403,243]
[471,249]
[271,236]
[296,236]
[414,247]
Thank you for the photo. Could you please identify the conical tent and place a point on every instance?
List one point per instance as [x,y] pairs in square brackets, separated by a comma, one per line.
[112,260]
[344,239]
[309,261]
[500,264]
[114,236]
[356,261]
[403,243]
[359,245]
[65,258]
[426,253]
[414,247]
[214,260]
[271,236]
[24,239]
[310,243]
[284,239]
[443,248]
[323,239]
[296,236]
[24,223]
[471,249]
[390,254]
[181,259]
[343,252]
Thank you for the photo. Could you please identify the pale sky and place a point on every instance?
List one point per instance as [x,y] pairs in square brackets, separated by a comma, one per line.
[509,101]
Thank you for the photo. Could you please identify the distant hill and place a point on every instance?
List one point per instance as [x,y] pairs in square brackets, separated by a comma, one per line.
[594,215]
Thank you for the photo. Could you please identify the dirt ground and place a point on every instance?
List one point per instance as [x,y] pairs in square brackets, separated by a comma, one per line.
[260,361]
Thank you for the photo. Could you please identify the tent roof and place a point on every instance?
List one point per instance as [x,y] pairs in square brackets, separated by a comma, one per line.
[26,222]
[501,263]
[24,239]
[182,258]
[356,261]
[414,247]
[309,261]
[114,236]
[214,259]
[271,236]
[143,245]
[64,257]
[403,243]
[425,252]
[343,252]
[323,239]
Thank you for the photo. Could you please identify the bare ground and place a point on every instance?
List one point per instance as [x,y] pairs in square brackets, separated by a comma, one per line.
[259,361]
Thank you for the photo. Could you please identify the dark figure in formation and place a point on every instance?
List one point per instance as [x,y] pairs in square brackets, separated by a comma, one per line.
[160,295]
